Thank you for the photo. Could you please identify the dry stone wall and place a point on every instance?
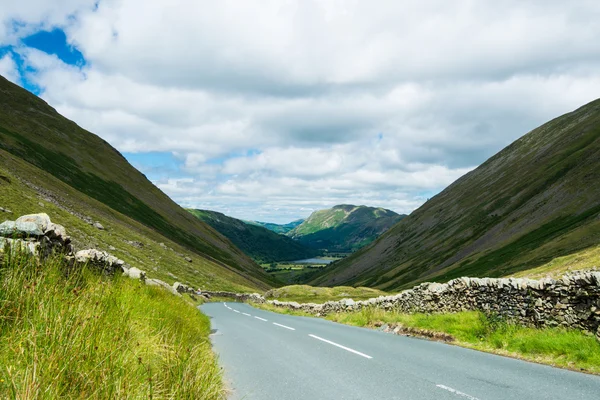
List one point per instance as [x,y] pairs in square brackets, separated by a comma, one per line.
[573,301]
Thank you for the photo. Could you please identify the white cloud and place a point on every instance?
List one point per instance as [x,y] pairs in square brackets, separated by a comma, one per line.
[277,107]
[8,68]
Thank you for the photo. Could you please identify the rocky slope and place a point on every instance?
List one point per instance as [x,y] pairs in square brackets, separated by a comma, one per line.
[263,245]
[344,228]
[80,179]
[536,200]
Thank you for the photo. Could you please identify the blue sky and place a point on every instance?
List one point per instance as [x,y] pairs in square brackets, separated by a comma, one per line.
[270,110]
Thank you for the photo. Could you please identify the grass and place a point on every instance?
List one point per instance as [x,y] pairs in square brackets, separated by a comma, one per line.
[560,347]
[309,294]
[586,259]
[84,336]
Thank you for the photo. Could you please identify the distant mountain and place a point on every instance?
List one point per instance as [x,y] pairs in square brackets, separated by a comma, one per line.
[49,161]
[277,228]
[536,200]
[261,244]
[344,228]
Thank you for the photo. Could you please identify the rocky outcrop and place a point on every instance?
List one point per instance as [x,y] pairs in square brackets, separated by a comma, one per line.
[100,260]
[35,234]
[573,301]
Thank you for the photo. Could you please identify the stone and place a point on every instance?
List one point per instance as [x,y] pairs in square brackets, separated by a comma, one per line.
[42,220]
[188,259]
[135,273]
[112,248]
[8,244]
[20,229]
[6,210]
[347,302]
[181,288]
[101,260]
[98,225]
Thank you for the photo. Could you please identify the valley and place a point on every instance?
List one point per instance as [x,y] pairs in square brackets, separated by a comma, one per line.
[299,200]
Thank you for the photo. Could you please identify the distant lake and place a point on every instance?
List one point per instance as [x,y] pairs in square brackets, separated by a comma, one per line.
[312,261]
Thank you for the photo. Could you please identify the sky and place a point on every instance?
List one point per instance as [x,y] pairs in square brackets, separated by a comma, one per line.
[270,109]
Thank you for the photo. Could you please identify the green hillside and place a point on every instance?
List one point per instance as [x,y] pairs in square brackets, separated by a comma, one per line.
[277,228]
[263,245]
[536,200]
[48,161]
[344,228]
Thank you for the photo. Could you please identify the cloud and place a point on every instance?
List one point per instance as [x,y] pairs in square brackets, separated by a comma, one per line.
[8,68]
[275,108]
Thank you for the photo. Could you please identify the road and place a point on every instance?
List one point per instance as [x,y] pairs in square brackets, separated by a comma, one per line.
[282,357]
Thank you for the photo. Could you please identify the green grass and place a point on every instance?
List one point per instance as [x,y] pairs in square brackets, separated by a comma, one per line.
[84,336]
[309,294]
[554,346]
[586,259]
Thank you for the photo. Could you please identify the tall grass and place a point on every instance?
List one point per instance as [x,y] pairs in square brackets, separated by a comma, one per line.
[84,336]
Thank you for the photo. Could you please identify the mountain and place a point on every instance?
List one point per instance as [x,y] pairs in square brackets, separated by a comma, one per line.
[77,174]
[344,228]
[536,200]
[263,245]
[277,228]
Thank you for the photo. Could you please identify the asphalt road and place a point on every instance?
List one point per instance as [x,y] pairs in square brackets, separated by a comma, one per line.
[273,356]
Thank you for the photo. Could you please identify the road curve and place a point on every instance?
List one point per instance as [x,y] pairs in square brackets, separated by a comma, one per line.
[282,357]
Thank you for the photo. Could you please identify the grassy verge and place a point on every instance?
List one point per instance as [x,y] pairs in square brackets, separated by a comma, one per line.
[310,294]
[558,347]
[90,337]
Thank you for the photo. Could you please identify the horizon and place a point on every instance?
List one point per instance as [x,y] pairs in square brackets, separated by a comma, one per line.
[270,111]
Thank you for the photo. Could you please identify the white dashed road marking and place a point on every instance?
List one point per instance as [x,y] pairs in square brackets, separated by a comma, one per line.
[283,326]
[262,319]
[247,314]
[456,392]
[236,311]
[340,346]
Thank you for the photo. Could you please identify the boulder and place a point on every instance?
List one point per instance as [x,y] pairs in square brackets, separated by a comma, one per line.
[98,225]
[42,220]
[20,229]
[134,273]
[101,260]
[181,288]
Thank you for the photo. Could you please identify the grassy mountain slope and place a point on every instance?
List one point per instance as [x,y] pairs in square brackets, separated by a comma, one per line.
[258,242]
[82,173]
[277,228]
[344,228]
[536,200]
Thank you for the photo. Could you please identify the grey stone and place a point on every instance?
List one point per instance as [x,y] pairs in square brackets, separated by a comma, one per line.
[20,229]
[101,260]
[135,273]
[42,220]
[188,259]
[181,288]
[98,225]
